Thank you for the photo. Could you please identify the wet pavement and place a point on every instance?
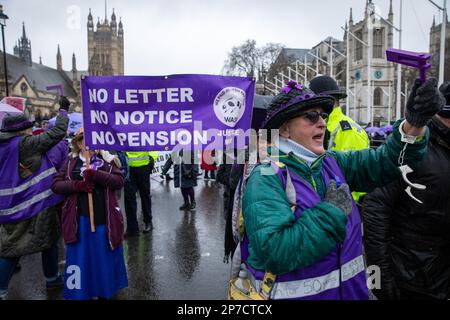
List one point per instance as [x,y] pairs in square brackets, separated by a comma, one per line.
[182,258]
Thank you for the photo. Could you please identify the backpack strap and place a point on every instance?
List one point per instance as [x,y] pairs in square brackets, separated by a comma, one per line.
[289,188]
[269,280]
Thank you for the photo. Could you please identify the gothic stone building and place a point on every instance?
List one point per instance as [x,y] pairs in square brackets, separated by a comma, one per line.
[435,48]
[105,47]
[382,74]
[42,85]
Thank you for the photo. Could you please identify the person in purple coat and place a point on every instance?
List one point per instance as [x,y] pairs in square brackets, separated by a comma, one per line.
[95,266]
[28,208]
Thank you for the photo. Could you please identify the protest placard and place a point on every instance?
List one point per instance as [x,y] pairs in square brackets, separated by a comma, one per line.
[143,113]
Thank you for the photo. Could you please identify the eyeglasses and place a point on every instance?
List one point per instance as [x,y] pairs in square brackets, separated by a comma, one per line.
[313,116]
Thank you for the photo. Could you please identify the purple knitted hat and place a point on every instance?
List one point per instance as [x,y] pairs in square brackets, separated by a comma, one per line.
[294,99]
[15,123]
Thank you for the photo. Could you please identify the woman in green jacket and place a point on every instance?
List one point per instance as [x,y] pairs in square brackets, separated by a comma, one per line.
[301,223]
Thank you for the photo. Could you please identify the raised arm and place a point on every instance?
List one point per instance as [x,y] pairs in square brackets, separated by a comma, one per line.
[367,169]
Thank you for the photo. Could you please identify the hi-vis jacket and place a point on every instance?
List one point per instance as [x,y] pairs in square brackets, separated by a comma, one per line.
[140,159]
[346,135]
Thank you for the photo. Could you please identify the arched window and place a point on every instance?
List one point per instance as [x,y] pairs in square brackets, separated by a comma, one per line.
[23,88]
[358,47]
[378,43]
[377,97]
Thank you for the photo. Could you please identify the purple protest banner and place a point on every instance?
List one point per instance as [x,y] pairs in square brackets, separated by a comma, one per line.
[141,113]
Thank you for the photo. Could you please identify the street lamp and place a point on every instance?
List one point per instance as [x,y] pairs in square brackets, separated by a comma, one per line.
[3,18]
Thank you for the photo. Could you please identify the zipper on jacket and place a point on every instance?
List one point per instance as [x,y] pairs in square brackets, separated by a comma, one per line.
[314,164]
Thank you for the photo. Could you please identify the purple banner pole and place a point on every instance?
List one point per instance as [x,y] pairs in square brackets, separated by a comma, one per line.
[143,113]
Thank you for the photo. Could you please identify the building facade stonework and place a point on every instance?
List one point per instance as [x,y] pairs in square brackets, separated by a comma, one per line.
[435,49]
[105,47]
[42,85]
[322,60]
[382,72]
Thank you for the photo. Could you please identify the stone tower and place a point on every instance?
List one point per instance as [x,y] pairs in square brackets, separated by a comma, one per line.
[105,46]
[23,47]
[435,48]
[382,72]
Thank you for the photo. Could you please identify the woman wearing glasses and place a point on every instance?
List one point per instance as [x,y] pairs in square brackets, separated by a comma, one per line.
[302,229]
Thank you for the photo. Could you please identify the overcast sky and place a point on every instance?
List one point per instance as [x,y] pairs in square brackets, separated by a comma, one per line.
[194,36]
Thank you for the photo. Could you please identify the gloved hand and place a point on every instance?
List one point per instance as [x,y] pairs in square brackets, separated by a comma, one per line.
[83,186]
[88,175]
[64,103]
[425,100]
[340,197]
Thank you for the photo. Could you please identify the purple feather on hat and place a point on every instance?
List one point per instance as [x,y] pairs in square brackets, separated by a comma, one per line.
[291,85]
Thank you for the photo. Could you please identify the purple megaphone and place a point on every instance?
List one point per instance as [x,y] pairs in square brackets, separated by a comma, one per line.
[412,59]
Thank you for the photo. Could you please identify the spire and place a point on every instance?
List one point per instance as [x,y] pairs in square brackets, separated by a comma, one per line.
[74,62]
[58,60]
[106,11]
[40,59]
[120,32]
[351,16]
[90,23]
[23,31]
[434,21]
[366,12]
[113,21]
[391,12]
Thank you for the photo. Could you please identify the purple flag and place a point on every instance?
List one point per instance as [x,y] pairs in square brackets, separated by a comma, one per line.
[140,113]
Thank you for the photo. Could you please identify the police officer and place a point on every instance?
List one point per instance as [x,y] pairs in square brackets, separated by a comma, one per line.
[343,133]
[141,165]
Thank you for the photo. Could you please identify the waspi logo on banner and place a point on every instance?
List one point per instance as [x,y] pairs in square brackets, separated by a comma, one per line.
[229,106]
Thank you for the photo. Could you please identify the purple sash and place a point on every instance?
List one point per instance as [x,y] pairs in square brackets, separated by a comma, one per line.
[338,276]
[22,199]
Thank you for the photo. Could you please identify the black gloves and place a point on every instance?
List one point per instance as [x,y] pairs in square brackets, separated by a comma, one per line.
[340,197]
[424,102]
[64,103]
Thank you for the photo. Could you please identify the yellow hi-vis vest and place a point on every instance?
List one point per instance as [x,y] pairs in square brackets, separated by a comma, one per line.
[346,135]
[140,159]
